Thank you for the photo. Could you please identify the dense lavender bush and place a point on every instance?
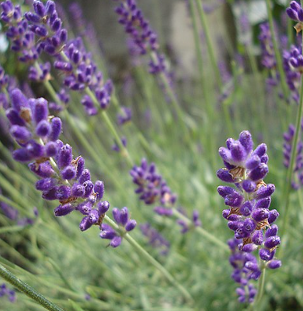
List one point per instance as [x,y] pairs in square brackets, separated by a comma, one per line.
[75,135]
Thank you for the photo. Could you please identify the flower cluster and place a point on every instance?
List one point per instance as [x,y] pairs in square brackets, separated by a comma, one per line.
[243,264]
[287,148]
[291,65]
[295,12]
[124,116]
[155,239]
[151,186]
[10,293]
[248,214]
[22,39]
[267,49]
[142,35]
[42,31]
[63,178]
[13,214]
[125,224]
[46,24]
[196,222]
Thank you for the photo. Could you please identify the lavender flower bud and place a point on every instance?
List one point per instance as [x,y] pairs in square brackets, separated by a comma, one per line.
[43,128]
[260,214]
[116,215]
[258,173]
[263,203]
[273,215]
[65,156]
[34,149]
[40,110]
[246,141]
[264,192]
[50,195]
[68,172]
[78,190]
[246,208]
[85,176]
[88,188]
[84,208]
[130,225]
[20,133]
[124,216]
[272,231]
[248,186]
[224,175]
[85,223]
[248,248]
[116,241]
[252,162]
[22,155]
[266,254]
[272,242]
[274,264]
[80,167]
[225,190]
[51,149]
[260,150]
[249,225]
[56,127]
[63,193]
[46,184]
[238,152]
[235,199]
[14,118]
[93,216]
[99,190]
[257,237]
[42,170]
[103,207]
[63,210]
[108,235]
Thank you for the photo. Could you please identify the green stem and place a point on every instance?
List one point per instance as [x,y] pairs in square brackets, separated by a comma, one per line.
[151,260]
[276,49]
[11,229]
[292,161]
[110,126]
[27,290]
[198,46]
[260,292]
[209,43]
[202,231]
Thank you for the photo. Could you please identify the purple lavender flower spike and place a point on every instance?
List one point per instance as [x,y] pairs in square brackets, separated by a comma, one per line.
[63,177]
[295,12]
[287,149]
[125,116]
[249,218]
[125,224]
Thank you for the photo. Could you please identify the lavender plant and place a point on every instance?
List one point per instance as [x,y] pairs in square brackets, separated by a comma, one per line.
[63,100]
[249,215]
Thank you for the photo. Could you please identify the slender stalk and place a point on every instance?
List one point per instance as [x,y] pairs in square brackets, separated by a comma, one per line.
[202,231]
[8,229]
[292,162]
[110,126]
[28,290]
[209,43]
[198,51]
[276,49]
[151,260]
[260,292]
